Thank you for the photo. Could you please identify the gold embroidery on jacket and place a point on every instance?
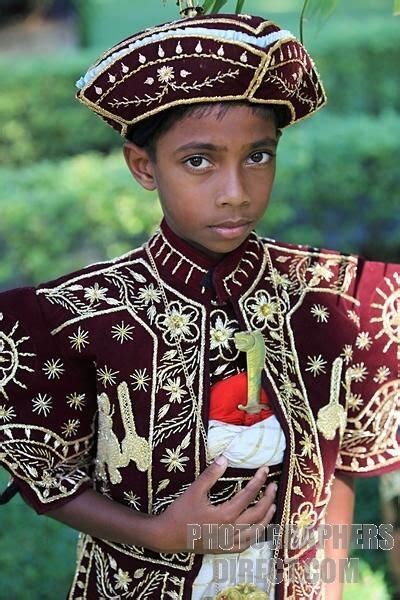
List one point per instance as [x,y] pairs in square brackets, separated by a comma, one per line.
[133,447]
[333,416]
[10,358]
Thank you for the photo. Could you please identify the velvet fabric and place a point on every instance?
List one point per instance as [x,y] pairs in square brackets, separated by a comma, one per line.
[93,392]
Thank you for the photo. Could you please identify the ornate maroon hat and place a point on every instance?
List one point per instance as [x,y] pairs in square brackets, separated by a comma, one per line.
[205,58]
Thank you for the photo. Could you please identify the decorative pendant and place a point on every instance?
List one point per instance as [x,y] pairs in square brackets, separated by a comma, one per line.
[252,342]
[333,416]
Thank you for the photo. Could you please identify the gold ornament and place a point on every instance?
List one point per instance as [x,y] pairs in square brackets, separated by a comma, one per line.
[243,591]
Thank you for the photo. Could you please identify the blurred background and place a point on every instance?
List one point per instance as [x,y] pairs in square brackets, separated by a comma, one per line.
[67,199]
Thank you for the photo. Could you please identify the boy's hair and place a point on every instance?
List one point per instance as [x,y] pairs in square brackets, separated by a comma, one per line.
[146,133]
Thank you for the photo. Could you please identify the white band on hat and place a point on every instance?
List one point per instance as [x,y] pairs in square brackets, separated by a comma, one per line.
[221,35]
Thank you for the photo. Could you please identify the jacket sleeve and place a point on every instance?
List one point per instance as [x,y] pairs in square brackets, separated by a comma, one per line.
[370,445]
[47,406]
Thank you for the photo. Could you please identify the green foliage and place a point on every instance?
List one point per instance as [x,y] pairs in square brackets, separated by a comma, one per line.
[40,116]
[64,215]
[371,586]
[31,132]
[337,187]
[37,555]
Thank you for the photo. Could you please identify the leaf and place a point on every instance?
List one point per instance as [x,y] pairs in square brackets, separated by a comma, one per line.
[396,7]
[320,8]
[186,441]
[239,6]
[207,5]
[218,4]
[162,485]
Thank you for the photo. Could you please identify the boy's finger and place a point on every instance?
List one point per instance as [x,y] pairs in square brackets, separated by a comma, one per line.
[210,476]
[245,496]
[256,513]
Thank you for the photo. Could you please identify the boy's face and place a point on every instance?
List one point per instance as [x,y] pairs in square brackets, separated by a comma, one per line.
[214,175]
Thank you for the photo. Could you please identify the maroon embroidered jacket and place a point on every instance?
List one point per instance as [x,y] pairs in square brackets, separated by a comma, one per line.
[93,391]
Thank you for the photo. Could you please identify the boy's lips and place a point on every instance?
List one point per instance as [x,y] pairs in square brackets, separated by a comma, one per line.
[231,229]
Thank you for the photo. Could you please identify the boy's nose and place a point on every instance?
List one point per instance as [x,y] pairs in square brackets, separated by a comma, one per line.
[232,191]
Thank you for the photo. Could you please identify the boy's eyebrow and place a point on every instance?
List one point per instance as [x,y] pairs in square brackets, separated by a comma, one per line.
[268,141]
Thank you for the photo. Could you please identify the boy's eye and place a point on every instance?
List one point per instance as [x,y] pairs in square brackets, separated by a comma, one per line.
[260,158]
[197,162]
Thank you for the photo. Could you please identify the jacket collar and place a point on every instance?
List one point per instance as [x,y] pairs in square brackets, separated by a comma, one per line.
[187,267]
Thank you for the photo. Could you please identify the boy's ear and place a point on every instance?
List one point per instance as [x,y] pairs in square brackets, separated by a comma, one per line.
[140,165]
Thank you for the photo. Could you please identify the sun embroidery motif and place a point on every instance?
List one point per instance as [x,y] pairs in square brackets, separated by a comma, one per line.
[10,358]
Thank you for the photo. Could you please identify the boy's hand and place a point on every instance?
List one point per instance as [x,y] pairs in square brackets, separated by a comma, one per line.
[174,526]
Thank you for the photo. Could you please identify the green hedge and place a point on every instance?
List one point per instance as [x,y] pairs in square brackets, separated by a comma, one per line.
[39,115]
[337,187]
[40,118]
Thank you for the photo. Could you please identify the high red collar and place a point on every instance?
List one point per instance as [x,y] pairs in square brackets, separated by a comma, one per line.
[189,268]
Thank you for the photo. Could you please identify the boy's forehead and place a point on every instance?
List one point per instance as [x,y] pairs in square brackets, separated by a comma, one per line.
[206,59]
[221,128]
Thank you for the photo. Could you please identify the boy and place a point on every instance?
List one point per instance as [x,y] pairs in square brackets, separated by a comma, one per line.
[109,376]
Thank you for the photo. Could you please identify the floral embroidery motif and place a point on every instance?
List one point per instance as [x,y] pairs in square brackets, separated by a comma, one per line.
[358,372]
[354,401]
[122,580]
[364,341]
[132,499]
[178,324]
[221,334]
[95,293]
[382,374]
[79,339]
[76,401]
[42,404]
[321,272]
[53,368]
[320,312]
[140,379]
[174,459]
[122,332]
[316,365]
[347,354]
[175,390]
[70,428]
[166,76]
[107,376]
[6,414]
